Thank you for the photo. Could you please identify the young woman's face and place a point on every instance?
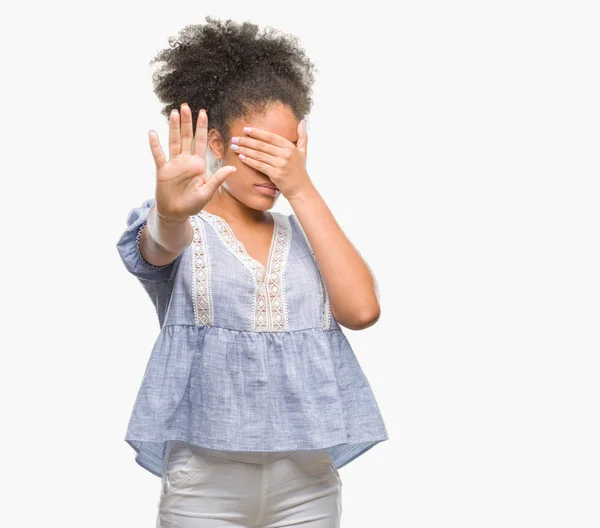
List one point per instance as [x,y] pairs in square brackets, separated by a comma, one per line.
[242,184]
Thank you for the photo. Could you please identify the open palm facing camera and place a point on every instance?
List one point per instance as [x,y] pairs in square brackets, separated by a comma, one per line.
[182,189]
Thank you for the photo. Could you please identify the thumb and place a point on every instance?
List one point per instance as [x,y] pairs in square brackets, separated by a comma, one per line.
[302,136]
[218,178]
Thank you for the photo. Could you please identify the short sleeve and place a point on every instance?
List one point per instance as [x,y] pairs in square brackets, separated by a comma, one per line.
[129,248]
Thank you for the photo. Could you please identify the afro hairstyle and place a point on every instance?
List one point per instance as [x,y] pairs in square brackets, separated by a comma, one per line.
[232,70]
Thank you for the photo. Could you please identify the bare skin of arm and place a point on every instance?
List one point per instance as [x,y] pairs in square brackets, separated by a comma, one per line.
[352,287]
[163,240]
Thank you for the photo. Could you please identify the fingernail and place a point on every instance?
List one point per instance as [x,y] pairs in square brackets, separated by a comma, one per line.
[247,129]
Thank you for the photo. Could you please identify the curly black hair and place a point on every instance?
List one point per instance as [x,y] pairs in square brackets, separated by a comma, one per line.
[232,70]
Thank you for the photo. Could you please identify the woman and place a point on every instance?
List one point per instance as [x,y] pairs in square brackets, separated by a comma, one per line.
[252,398]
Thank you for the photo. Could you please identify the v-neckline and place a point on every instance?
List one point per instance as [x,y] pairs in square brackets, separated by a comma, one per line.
[242,248]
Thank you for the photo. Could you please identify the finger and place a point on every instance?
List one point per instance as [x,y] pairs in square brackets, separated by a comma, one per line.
[157,151]
[269,170]
[213,183]
[258,155]
[268,137]
[174,137]
[302,136]
[186,129]
[255,144]
[201,134]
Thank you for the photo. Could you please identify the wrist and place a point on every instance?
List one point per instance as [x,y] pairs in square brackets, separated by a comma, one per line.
[303,195]
[169,221]
[170,234]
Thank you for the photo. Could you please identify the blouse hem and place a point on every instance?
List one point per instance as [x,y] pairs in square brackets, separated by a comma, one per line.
[367,442]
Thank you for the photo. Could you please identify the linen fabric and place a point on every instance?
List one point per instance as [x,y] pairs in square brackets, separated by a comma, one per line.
[247,358]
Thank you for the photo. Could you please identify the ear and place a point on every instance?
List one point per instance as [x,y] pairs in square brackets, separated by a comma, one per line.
[215,143]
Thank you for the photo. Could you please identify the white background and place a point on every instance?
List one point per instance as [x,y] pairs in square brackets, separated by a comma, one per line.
[456,144]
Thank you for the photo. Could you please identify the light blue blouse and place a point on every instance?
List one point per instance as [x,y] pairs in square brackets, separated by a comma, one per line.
[247,358]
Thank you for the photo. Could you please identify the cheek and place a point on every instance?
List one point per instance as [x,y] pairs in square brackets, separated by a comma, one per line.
[245,175]
[238,184]
[241,167]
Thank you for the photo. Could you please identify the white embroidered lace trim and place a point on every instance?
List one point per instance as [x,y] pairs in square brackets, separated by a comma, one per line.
[269,306]
[270,313]
[201,290]
[225,233]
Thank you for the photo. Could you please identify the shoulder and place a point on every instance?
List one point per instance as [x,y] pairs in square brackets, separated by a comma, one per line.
[292,222]
[296,228]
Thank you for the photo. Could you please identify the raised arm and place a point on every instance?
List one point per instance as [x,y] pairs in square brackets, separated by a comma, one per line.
[163,240]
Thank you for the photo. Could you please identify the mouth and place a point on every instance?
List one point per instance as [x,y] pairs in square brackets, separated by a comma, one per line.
[267,189]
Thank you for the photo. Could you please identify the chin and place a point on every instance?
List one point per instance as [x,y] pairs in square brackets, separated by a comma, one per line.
[262,203]
[265,205]
[258,205]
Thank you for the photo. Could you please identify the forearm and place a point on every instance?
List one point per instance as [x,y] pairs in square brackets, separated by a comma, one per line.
[162,241]
[351,286]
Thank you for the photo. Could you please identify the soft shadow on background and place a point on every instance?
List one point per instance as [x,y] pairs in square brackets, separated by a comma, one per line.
[456,144]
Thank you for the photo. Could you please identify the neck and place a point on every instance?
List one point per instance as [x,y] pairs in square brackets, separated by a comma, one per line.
[223,204]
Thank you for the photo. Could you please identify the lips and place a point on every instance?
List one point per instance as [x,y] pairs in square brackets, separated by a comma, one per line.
[269,190]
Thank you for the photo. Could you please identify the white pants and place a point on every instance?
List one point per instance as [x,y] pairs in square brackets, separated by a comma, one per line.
[208,488]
